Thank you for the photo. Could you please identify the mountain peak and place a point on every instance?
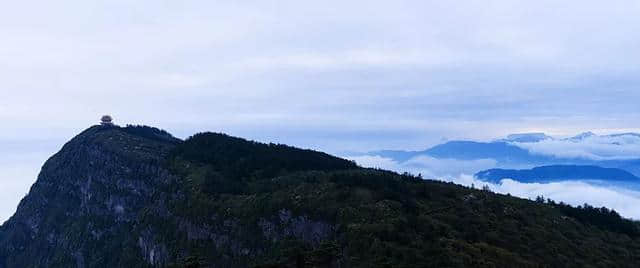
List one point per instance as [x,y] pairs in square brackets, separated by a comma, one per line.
[583,136]
[527,137]
[136,141]
[93,188]
[628,134]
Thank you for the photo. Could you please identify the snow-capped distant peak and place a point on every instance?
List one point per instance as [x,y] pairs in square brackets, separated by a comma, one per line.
[582,136]
[527,137]
[629,134]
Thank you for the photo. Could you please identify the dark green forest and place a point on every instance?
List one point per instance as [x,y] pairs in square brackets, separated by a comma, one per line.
[385,219]
[135,196]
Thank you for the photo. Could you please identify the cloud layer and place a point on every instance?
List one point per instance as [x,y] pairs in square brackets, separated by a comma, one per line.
[424,69]
[624,201]
[592,147]
[575,193]
[429,167]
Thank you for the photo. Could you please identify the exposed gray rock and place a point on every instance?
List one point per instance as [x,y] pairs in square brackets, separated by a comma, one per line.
[103,201]
[99,181]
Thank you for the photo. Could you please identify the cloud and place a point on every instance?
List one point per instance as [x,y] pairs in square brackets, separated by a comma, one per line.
[428,166]
[576,193]
[368,64]
[593,147]
[451,167]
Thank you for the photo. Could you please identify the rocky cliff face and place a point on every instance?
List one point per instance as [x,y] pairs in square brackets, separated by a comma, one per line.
[85,196]
[107,199]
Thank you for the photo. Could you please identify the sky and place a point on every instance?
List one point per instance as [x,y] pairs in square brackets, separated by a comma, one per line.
[329,75]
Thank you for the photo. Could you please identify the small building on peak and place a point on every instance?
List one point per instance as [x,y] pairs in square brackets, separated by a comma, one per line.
[106,120]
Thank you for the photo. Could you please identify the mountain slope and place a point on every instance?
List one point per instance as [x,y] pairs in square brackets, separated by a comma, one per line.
[558,173]
[88,192]
[136,197]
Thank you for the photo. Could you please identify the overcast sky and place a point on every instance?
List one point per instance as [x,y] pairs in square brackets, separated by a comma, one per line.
[330,75]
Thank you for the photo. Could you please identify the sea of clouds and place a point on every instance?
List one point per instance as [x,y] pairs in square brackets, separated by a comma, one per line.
[588,146]
[624,201]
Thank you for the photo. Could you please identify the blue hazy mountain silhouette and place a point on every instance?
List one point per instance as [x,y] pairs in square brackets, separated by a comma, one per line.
[470,150]
[508,155]
[558,173]
[527,137]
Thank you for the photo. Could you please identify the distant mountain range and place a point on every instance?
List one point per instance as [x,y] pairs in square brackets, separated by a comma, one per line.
[558,173]
[527,137]
[529,150]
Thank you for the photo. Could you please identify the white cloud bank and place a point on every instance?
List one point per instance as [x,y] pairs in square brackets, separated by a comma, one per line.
[428,166]
[592,147]
[576,193]
[625,202]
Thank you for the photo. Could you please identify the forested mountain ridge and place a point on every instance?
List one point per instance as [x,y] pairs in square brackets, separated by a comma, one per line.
[137,197]
[558,173]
